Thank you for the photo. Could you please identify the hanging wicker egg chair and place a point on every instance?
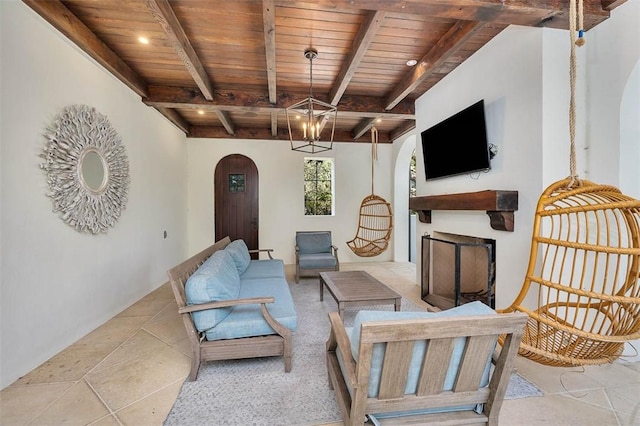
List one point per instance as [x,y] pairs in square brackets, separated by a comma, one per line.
[375,221]
[584,271]
[374,227]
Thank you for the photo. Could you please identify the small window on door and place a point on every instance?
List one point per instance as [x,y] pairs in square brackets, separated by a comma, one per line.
[236,182]
[318,187]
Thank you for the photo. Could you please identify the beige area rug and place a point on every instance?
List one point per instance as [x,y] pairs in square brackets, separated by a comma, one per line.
[259,392]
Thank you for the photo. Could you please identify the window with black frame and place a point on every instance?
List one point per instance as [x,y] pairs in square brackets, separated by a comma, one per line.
[318,187]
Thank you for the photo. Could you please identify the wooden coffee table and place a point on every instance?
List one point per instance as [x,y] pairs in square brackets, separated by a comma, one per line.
[357,288]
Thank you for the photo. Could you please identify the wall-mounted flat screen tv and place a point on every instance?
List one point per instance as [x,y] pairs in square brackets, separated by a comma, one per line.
[457,145]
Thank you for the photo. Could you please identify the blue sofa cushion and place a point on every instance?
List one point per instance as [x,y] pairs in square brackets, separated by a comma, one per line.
[317,260]
[247,320]
[240,254]
[468,309]
[215,280]
[267,268]
[313,242]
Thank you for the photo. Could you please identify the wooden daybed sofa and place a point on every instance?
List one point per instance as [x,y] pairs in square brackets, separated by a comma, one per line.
[232,306]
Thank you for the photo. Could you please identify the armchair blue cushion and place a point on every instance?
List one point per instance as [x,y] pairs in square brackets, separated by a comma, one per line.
[315,252]
[313,242]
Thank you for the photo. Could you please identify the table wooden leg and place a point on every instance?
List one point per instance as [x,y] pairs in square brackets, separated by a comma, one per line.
[397,304]
[321,289]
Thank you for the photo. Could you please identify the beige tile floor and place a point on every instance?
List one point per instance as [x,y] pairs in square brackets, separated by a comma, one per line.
[129,372]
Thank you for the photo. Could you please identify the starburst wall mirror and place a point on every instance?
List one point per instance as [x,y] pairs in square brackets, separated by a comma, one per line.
[87,169]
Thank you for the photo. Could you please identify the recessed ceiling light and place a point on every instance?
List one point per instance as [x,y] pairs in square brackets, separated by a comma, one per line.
[143,40]
[201,112]
[411,62]
[378,120]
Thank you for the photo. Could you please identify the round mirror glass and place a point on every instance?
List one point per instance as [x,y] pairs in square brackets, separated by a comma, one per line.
[93,170]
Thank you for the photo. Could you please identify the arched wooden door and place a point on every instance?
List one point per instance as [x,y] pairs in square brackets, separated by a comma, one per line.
[236,199]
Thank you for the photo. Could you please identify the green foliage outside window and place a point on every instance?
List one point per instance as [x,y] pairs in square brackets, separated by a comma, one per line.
[412,175]
[318,187]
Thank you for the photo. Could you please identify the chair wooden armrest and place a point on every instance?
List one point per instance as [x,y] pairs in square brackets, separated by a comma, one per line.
[338,340]
[224,304]
[268,251]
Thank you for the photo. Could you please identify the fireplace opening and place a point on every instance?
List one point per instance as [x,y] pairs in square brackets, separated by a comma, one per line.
[457,269]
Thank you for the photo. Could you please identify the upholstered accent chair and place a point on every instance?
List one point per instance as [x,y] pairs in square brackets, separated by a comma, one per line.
[315,253]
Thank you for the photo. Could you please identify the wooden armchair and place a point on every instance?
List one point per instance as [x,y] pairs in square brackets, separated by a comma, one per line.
[429,369]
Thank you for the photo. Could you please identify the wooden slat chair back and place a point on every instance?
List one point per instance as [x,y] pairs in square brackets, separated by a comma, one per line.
[374,227]
[351,383]
[584,274]
[247,347]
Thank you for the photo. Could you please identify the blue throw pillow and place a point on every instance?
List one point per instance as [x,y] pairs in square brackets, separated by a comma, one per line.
[240,255]
[215,280]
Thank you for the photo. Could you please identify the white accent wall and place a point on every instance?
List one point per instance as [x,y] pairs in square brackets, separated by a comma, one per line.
[57,284]
[281,205]
[507,74]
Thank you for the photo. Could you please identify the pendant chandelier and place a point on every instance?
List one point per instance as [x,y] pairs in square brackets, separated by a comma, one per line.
[310,118]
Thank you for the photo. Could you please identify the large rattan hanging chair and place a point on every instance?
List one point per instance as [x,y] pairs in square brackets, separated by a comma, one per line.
[584,274]
[582,287]
[375,221]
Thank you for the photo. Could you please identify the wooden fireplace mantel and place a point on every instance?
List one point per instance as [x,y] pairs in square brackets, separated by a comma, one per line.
[498,204]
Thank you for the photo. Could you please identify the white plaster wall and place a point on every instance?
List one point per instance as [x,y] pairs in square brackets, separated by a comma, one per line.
[613,50]
[630,135]
[281,189]
[507,74]
[613,70]
[56,283]
[402,151]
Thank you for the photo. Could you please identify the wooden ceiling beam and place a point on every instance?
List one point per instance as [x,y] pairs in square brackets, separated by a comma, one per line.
[612,4]
[226,121]
[406,127]
[274,124]
[532,13]
[368,30]
[173,116]
[269,23]
[218,132]
[163,13]
[446,47]
[363,127]
[57,14]
[243,101]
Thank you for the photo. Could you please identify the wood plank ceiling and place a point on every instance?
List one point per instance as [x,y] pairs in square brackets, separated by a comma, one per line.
[227,69]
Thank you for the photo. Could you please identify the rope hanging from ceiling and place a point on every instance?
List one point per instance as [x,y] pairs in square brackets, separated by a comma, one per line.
[582,285]
[376,218]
